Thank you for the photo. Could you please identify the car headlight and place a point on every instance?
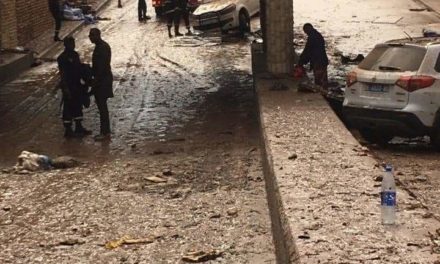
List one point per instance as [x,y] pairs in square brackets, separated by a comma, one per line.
[229,9]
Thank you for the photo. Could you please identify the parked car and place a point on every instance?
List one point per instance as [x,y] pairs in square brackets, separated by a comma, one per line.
[395,91]
[225,14]
[159,6]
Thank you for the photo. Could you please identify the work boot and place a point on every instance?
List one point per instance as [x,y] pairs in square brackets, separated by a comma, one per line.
[176,31]
[56,38]
[80,130]
[189,33]
[169,32]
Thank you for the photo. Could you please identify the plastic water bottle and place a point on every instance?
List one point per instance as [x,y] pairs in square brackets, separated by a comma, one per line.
[388,197]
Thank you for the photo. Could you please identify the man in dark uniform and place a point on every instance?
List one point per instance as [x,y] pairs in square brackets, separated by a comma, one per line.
[314,52]
[183,11]
[142,11]
[173,17]
[103,80]
[55,10]
[69,65]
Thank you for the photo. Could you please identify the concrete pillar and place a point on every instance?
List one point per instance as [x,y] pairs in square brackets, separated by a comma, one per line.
[279,36]
[8,24]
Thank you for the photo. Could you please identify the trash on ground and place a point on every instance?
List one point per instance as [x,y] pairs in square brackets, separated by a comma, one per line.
[201,256]
[429,32]
[64,162]
[348,60]
[156,179]
[29,161]
[127,240]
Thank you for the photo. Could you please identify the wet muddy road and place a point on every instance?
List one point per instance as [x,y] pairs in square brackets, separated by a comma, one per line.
[183,168]
[351,31]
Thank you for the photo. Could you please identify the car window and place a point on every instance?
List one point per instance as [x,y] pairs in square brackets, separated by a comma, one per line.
[394,58]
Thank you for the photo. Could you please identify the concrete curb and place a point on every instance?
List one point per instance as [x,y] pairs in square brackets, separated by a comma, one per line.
[75,29]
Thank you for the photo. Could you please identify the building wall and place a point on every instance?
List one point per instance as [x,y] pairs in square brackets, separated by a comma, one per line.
[33,18]
[8,24]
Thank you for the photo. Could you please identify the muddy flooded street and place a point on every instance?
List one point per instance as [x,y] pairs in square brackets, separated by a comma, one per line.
[182,173]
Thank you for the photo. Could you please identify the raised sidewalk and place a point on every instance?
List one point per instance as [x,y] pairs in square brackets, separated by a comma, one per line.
[322,188]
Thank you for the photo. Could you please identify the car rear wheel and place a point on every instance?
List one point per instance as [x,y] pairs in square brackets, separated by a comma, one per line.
[244,22]
[375,137]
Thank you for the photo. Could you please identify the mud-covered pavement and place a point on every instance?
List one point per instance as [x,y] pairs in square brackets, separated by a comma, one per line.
[354,27]
[183,169]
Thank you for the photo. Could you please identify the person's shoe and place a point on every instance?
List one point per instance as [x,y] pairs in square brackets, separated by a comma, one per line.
[147,17]
[102,137]
[178,34]
[189,33]
[56,39]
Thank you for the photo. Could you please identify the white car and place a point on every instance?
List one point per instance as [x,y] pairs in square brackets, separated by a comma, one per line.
[395,91]
[225,14]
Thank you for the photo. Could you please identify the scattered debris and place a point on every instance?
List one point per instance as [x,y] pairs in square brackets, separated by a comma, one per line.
[201,256]
[232,212]
[29,161]
[167,172]
[156,179]
[127,240]
[417,9]
[64,162]
[293,156]
[347,60]
[427,32]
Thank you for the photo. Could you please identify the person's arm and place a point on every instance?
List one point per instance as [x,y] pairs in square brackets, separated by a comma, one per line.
[63,82]
[304,58]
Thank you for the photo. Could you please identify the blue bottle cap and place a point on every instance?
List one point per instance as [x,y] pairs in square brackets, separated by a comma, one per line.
[388,167]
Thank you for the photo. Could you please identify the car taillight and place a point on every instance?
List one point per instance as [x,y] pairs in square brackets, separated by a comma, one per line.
[413,83]
[351,78]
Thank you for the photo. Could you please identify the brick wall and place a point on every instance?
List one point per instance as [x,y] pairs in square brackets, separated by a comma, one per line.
[33,18]
[8,24]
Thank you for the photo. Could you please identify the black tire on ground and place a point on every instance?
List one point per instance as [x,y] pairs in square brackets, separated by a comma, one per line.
[435,139]
[244,22]
[375,137]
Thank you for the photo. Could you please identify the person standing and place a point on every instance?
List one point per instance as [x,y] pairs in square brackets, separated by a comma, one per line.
[184,12]
[173,17]
[142,11]
[314,53]
[73,91]
[55,10]
[102,87]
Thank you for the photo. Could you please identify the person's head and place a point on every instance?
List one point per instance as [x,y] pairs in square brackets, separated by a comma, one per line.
[308,28]
[69,43]
[95,35]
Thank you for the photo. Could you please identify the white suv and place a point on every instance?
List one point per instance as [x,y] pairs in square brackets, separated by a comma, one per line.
[395,91]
